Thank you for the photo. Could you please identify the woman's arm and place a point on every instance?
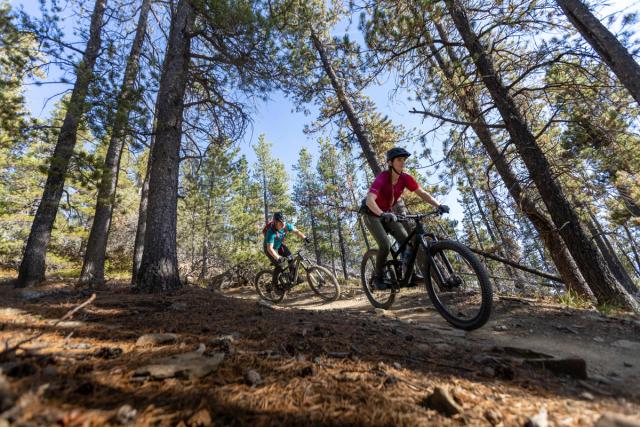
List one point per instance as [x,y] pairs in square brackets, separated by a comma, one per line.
[372,204]
[272,251]
[424,195]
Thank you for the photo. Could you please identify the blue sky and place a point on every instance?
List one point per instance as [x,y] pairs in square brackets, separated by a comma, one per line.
[283,126]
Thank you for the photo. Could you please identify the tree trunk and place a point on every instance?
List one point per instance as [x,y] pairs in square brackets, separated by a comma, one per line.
[498,245]
[608,47]
[629,260]
[207,233]
[314,233]
[93,266]
[354,200]
[473,225]
[159,267]
[347,107]
[343,250]
[468,102]
[138,247]
[616,267]
[193,234]
[32,267]
[592,266]
[536,243]
[264,196]
[509,247]
[333,258]
[634,249]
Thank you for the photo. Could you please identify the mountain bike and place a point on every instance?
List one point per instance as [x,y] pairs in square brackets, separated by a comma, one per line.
[274,284]
[237,276]
[456,281]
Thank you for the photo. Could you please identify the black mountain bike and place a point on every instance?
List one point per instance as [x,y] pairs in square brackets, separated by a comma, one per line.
[273,285]
[457,283]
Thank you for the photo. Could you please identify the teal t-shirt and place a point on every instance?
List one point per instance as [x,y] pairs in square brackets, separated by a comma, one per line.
[277,236]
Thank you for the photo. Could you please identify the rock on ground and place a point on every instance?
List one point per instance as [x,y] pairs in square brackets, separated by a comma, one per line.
[541,419]
[193,365]
[156,339]
[617,420]
[441,401]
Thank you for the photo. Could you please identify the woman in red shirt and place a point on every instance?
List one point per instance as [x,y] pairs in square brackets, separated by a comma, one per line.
[383,194]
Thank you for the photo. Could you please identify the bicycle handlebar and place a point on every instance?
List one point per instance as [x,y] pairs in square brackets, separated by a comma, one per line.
[417,217]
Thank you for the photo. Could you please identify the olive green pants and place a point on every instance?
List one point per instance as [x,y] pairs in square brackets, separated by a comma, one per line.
[380,231]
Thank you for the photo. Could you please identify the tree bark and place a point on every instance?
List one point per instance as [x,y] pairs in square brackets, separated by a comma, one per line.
[606,45]
[343,250]
[138,247]
[94,257]
[468,102]
[192,240]
[536,243]
[159,268]
[354,200]
[473,225]
[509,247]
[634,248]
[32,267]
[264,196]
[314,233]
[592,266]
[347,107]
[498,245]
[207,233]
[333,258]
[609,254]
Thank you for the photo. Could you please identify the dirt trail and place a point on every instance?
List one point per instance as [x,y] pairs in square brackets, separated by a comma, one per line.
[610,346]
[201,358]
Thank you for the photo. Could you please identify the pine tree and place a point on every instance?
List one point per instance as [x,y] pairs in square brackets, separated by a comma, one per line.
[591,264]
[272,176]
[32,267]
[94,258]
[305,194]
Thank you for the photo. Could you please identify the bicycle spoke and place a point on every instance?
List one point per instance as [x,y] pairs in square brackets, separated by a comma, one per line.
[323,283]
[459,286]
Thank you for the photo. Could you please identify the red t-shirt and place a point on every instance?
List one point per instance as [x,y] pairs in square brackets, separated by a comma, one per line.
[382,188]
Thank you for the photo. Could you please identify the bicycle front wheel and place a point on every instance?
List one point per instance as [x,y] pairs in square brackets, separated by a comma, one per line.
[266,288]
[458,285]
[323,283]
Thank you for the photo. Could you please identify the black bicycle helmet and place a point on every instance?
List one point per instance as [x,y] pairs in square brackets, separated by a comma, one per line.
[278,216]
[397,152]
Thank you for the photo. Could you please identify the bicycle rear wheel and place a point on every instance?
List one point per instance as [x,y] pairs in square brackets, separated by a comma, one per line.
[323,283]
[458,285]
[378,298]
[267,289]
[226,282]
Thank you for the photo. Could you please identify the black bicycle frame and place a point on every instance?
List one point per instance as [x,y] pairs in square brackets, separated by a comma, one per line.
[299,260]
[417,237]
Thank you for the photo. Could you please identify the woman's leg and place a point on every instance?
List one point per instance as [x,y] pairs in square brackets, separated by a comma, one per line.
[377,230]
[397,231]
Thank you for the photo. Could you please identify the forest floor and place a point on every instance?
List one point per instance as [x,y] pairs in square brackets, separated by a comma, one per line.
[198,357]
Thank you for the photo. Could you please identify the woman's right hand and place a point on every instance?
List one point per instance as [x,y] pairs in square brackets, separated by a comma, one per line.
[388,217]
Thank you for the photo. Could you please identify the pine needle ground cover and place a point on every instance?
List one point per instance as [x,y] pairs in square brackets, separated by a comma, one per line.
[295,365]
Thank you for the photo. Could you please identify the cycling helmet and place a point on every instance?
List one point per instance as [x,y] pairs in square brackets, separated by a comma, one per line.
[278,216]
[397,152]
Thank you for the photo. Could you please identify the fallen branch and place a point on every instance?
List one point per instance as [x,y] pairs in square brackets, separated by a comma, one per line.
[9,350]
[518,266]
